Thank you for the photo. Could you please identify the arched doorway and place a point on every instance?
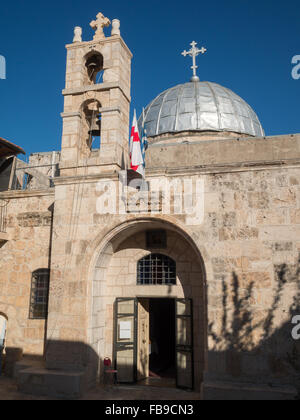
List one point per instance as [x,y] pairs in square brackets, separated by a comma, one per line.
[125,299]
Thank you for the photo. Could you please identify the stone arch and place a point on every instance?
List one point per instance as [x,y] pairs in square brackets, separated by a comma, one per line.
[105,286]
[91,122]
[94,63]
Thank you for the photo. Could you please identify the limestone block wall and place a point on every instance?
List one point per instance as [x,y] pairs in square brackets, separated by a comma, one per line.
[249,242]
[68,306]
[29,220]
[251,233]
[207,150]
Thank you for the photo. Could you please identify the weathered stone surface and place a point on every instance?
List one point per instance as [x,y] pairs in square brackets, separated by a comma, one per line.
[34,219]
[239,262]
[27,251]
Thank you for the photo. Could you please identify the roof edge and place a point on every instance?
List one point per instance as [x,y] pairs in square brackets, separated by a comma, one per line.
[16,150]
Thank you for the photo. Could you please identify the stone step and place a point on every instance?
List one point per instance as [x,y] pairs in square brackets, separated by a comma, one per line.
[51,383]
[27,364]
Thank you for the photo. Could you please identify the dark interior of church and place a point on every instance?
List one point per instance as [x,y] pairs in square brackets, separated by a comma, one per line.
[162,337]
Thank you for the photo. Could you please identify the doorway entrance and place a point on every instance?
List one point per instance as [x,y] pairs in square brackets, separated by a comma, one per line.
[162,338]
[154,341]
[159,356]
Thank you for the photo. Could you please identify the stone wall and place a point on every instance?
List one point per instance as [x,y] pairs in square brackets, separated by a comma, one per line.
[249,242]
[252,235]
[221,152]
[29,221]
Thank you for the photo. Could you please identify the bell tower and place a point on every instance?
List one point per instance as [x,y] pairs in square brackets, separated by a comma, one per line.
[96,102]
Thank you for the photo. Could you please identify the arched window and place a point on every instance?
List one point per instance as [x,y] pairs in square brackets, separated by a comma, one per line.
[156,269]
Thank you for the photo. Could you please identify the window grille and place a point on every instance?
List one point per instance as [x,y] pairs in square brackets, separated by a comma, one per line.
[39,294]
[156,269]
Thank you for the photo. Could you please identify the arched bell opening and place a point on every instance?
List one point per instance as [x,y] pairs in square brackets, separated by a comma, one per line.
[94,66]
[91,124]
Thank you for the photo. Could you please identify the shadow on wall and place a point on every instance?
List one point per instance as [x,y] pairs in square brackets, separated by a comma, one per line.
[250,346]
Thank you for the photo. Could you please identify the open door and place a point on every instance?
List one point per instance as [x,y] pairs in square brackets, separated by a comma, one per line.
[184,344]
[143,339]
[2,330]
[126,339]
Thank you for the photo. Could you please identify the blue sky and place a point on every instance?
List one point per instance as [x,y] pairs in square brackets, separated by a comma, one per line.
[250,47]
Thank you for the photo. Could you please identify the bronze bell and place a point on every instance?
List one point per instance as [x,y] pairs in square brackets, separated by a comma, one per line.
[92,65]
[95,127]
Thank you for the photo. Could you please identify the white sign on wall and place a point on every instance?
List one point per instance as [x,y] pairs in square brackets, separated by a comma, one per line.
[125,330]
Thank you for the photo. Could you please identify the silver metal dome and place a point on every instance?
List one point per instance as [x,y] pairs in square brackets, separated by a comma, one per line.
[200,106]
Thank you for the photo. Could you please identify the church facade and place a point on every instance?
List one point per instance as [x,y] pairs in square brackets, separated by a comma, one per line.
[191,274]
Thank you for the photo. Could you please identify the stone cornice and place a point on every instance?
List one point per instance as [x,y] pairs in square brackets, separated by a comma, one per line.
[109,40]
[12,194]
[225,168]
[101,110]
[110,109]
[155,172]
[69,180]
[159,140]
[95,88]
[191,171]
[70,114]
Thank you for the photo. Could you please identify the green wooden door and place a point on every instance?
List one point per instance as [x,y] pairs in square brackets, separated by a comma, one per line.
[126,339]
[184,344]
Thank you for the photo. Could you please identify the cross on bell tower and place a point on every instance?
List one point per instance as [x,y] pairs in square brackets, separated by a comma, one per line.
[194,52]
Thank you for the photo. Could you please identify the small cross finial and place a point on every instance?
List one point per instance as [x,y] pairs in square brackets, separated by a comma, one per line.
[194,52]
[98,25]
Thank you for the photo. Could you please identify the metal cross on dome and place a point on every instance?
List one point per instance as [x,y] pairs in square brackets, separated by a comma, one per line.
[194,52]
